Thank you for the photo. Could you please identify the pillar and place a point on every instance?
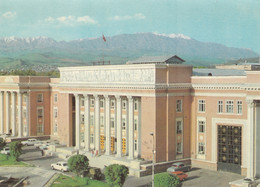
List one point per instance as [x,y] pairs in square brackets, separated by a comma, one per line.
[20,121]
[13,94]
[27,114]
[131,127]
[97,125]
[1,112]
[119,126]
[86,123]
[107,123]
[7,110]
[77,120]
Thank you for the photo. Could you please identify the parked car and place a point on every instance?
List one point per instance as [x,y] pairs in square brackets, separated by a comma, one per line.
[62,166]
[38,144]
[44,147]
[29,142]
[6,151]
[181,175]
[179,166]
[92,173]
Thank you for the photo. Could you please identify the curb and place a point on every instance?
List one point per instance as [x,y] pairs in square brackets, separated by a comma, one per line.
[51,180]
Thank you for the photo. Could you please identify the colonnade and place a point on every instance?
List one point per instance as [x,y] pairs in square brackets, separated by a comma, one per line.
[107,125]
[9,116]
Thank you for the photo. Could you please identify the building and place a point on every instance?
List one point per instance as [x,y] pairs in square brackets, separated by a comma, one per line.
[209,117]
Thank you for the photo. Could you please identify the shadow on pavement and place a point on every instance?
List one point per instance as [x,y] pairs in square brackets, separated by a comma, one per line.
[192,177]
[38,158]
[195,169]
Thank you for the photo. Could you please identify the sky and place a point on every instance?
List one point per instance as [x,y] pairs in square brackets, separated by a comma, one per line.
[234,23]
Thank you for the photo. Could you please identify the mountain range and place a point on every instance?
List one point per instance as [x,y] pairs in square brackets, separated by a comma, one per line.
[45,51]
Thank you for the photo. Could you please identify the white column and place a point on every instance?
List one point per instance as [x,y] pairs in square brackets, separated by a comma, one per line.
[107,122]
[97,127]
[27,114]
[77,121]
[119,126]
[139,142]
[20,121]
[86,123]
[131,127]
[13,94]
[7,104]
[1,112]
[250,135]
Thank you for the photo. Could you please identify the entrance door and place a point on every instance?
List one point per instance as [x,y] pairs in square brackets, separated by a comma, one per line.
[124,146]
[102,142]
[112,144]
[229,148]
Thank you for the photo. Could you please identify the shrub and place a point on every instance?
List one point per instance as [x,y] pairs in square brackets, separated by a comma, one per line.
[165,179]
[78,163]
[15,149]
[116,174]
[2,143]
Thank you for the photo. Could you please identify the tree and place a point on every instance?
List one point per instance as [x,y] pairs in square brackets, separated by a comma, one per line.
[2,143]
[116,174]
[166,179]
[15,149]
[78,163]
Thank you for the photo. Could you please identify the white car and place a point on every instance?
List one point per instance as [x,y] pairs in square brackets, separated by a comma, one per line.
[62,166]
[38,144]
[29,142]
[6,151]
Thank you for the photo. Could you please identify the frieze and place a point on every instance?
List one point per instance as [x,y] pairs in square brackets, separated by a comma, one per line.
[109,75]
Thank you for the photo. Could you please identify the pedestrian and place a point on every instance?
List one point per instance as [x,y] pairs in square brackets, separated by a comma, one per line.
[96,153]
[92,153]
[42,152]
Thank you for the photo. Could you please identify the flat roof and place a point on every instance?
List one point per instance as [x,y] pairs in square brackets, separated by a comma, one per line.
[218,72]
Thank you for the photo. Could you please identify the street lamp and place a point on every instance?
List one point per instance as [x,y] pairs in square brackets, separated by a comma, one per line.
[152,134]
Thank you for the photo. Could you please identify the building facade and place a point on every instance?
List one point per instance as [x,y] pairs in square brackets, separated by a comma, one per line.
[209,119]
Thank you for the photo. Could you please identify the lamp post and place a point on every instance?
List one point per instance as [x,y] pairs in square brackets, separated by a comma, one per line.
[152,134]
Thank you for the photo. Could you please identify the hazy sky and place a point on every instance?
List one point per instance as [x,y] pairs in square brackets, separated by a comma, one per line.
[234,23]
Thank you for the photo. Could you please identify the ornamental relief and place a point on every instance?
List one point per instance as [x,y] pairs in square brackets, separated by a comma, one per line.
[109,76]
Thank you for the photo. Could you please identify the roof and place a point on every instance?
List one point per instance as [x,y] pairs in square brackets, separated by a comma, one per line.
[218,72]
[172,59]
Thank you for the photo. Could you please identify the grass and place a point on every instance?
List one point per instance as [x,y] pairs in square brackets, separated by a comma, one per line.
[64,180]
[6,160]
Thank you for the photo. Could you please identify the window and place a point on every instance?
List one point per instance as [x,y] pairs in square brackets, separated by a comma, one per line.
[201,126]
[91,120]
[112,104]
[101,103]
[101,121]
[229,106]
[239,107]
[124,104]
[91,138]
[179,148]
[178,105]
[40,128]
[82,102]
[123,124]
[136,105]
[40,112]
[55,129]
[135,124]
[201,148]
[179,127]
[220,106]
[202,105]
[92,102]
[55,112]
[40,98]
[82,118]
[55,98]
[135,145]
[112,122]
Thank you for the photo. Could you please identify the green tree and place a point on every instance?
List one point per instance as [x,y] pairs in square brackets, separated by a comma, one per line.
[15,149]
[166,179]
[116,174]
[2,143]
[78,163]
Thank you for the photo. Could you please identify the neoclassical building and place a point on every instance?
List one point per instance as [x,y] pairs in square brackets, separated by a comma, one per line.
[206,116]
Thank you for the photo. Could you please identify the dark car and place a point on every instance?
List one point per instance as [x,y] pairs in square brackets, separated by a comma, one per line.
[92,173]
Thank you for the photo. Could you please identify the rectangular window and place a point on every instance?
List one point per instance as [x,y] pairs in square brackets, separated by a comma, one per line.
[82,101]
[202,105]
[101,103]
[40,98]
[239,107]
[112,104]
[91,138]
[220,106]
[136,105]
[55,98]
[229,106]
[55,129]
[135,145]
[135,124]
[91,120]
[201,126]
[55,112]
[201,148]
[124,104]
[92,102]
[123,124]
[112,122]
[178,105]
[82,118]
[178,127]
[101,121]
[179,148]
[40,112]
